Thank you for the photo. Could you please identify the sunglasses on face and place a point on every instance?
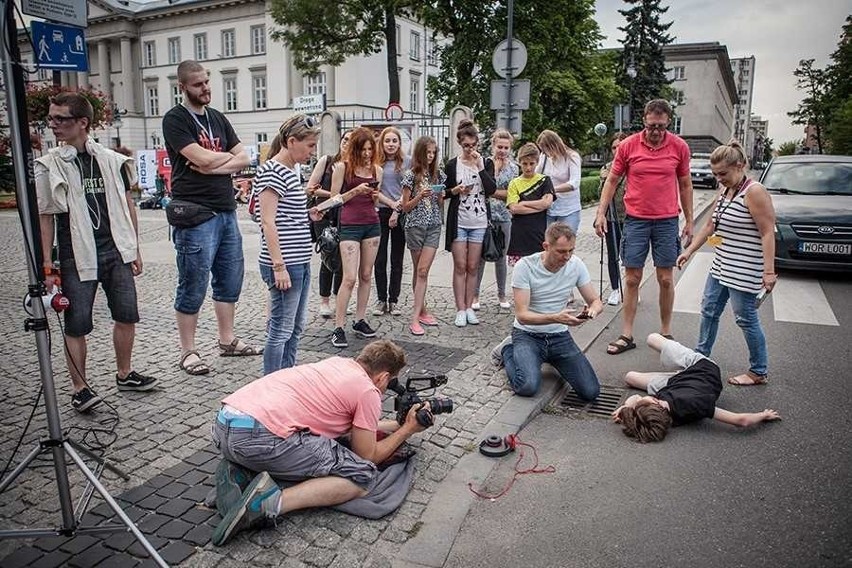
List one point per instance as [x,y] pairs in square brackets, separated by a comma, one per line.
[657,127]
[59,119]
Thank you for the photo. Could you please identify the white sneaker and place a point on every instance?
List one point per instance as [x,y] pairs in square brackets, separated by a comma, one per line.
[325,311]
[471,317]
[505,304]
[461,318]
[614,298]
[475,306]
[497,352]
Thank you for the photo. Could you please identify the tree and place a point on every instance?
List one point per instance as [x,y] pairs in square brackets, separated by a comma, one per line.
[572,86]
[838,96]
[767,150]
[789,148]
[644,38]
[811,109]
[327,32]
[839,129]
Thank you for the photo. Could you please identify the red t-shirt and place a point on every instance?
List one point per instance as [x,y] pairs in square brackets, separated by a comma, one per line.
[328,398]
[652,189]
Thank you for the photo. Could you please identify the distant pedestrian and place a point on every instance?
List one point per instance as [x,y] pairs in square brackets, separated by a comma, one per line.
[529,197]
[615,223]
[285,251]
[679,397]
[84,196]
[562,165]
[470,181]
[319,189]
[422,201]
[656,163]
[394,162]
[357,179]
[505,170]
[204,151]
[741,230]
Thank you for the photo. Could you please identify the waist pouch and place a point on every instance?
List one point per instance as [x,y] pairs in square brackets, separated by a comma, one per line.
[184,214]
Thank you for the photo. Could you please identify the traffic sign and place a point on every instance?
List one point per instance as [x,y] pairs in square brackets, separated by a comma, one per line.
[60,47]
[511,122]
[520,94]
[500,58]
[72,12]
[309,104]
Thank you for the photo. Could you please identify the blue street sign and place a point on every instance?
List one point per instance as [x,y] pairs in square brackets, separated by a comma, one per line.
[60,47]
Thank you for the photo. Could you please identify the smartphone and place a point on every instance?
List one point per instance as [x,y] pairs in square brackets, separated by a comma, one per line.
[438,188]
[584,315]
[761,296]
[373,184]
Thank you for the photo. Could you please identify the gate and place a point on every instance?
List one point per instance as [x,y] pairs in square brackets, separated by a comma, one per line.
[412,125]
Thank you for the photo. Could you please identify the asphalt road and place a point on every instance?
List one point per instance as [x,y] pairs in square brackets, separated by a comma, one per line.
[710,495]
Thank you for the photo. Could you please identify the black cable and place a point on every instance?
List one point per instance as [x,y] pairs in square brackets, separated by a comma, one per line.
[3,29]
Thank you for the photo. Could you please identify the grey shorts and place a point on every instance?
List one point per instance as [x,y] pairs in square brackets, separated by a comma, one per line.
[675,357]
[418,238]
[299,456]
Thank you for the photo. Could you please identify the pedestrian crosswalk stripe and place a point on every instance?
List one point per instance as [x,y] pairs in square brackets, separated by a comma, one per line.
[802,300]
[690,285]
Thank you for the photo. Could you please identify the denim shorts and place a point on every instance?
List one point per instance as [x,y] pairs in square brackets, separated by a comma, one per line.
[418,238]
[300,456]
[469,235]
[360,232]
[115,277]
[660,235]
[210,252]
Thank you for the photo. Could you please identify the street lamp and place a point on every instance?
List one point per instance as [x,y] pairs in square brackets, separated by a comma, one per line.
[631,72]
[117,122]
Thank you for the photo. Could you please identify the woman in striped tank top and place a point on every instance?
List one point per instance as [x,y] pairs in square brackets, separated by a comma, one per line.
[741,232]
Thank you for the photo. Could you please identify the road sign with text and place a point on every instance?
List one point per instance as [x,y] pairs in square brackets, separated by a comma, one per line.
[74,12]
[60,47]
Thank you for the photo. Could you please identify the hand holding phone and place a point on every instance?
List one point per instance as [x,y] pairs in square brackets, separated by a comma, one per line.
[584,315]
[761,296]
[438,188]
[374,184]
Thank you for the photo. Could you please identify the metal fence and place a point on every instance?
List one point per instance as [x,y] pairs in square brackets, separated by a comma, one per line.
[412,125]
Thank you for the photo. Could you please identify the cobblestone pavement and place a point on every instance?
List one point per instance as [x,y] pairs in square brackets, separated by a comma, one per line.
[162,437]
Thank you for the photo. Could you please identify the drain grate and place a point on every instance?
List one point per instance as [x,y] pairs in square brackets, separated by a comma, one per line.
[609,399]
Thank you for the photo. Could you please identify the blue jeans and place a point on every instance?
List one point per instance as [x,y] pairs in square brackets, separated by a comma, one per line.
[213,248]
[288,313]
[745,314]
[523,359]
[571,219]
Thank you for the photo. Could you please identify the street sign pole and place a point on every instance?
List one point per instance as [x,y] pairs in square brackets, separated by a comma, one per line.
[510,77]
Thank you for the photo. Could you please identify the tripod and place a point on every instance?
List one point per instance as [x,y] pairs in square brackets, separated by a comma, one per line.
[56,444]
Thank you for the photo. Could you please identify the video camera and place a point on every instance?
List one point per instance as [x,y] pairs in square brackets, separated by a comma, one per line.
[407,397]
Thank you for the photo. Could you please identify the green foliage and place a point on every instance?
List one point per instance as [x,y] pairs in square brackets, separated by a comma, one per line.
[327,32]
[839,129]
[644,38]
[811,109]
[767,149]
[38,103]
[789,148]
[590,189]
[7,174]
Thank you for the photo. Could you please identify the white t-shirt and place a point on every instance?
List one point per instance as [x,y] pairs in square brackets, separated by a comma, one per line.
[549,291]
[560,172]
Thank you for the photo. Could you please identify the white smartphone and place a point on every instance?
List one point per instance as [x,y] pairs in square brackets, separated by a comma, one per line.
[761,296]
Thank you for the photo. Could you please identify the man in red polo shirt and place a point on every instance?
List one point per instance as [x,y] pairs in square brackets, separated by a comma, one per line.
[656,163]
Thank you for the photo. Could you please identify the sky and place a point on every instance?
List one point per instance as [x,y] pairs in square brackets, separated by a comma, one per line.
[778,33]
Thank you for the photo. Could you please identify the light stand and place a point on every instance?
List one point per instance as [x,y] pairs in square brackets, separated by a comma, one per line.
[56,444]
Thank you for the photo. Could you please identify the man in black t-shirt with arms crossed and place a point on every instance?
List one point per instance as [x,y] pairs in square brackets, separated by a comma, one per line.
[678,398]
[84,197]
[204,151]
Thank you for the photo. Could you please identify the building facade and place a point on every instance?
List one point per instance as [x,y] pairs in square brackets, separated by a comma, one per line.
[743,70]
[134,49]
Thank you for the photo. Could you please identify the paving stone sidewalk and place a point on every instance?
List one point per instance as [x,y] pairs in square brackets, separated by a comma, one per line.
[162,438]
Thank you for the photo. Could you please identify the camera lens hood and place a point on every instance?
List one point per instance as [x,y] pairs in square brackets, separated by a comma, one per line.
[494,446]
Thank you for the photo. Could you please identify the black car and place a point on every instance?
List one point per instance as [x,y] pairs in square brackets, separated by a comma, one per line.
[812,196]
[701,174]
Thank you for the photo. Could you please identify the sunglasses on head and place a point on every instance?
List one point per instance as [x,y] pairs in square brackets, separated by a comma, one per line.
[307,122]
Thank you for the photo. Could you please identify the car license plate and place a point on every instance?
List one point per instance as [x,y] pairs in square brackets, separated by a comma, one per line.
[825,248]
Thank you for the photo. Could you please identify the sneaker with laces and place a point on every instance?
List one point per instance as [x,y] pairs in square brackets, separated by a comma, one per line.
[363,329]
[338,338]
[325,311]
[505,304]
[614,298]
[260,502]
[461,318]
[231,480]
[471,317]
[135,382]
[497,352]
[380,308]
[394,310]
[84,400]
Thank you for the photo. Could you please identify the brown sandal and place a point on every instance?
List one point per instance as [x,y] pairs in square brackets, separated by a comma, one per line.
[234,350]
[748,379]
[620,345]
[197,368]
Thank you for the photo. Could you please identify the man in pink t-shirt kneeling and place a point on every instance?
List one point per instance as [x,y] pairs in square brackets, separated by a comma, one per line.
[284,425]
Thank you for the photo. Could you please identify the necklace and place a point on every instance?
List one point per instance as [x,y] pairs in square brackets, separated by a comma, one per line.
[94,213]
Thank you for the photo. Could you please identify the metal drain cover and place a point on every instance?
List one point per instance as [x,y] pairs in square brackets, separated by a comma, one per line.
[609,399]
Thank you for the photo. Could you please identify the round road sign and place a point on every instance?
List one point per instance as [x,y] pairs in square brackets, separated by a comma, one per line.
[393,111]
[500,58]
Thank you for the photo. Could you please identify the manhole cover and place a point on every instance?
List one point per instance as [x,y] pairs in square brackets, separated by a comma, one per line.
[609,399]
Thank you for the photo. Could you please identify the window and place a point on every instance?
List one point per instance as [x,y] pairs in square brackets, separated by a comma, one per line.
[258,40]
[259,91]
[230,87]
[676,124]
[261,138]
[229,43]
[149,53]
[743,92]
[152,101]
[314,84]
[677,97]
[177,96]
[414,94]
[679,73]
[414,52]
[44,74]
[431,52]
[398,40]
[745,72]
[200,43]
[174,50]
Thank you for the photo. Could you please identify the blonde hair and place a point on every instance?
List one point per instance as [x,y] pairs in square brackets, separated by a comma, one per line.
[398,157]
[502,134]
[528,150]
[730,154]
[552,145]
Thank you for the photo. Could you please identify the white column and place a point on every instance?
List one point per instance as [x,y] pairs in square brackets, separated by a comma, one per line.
[330,90]
[127,98]
[103,67]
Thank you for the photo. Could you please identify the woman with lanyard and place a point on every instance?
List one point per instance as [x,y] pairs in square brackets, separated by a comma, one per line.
[741,230]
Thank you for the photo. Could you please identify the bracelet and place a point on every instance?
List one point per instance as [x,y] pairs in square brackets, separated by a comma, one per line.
[278,268]
[769,274]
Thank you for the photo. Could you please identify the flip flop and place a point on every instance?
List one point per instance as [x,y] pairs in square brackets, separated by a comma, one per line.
[416,329]
[748,379]
[233,349]
[197,368]
[626,345]
[668,336]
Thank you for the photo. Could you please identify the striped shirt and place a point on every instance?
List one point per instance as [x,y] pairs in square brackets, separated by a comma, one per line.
[291,217]
[738,262]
